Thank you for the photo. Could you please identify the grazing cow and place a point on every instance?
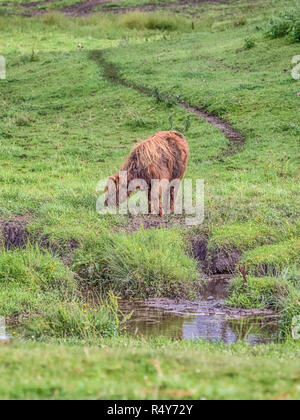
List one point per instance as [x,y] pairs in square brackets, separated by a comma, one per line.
[163,156]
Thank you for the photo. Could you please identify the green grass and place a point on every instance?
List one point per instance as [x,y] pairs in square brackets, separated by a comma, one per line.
[287,24]
[273,258]
[76,320]
[30,280]
[144,264]
[161,370]
[64,126]
[154,21]
[251,204]
[258,292]
[40,292]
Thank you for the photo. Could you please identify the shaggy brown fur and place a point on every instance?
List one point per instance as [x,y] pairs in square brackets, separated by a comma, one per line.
[162,156]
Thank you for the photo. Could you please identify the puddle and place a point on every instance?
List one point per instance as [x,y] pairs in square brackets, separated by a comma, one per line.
[209,320]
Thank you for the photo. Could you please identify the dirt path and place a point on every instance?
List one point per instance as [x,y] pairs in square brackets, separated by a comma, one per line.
[152,7]
[36,3]
[236,139]
[87,7]
[83,8]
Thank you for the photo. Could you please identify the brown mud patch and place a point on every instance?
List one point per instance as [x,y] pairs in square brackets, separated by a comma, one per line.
[36,3]
[236,139]
[132,224]
[112,7]
[83,8]
[215,261]
[13,232]
[87,7]
[204,307]
[64,250]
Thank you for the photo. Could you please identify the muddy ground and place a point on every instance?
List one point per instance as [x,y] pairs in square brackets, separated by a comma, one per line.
[205,307]
[13,233]
[85,8]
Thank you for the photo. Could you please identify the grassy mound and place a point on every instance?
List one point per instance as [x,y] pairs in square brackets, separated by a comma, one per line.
[31,279]
[258,292]
[38,286]
[286,24]
[151,263]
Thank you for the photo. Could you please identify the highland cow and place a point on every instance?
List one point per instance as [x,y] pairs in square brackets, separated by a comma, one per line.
[163,156]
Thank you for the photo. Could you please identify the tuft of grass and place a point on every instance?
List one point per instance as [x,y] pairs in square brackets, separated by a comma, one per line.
[281,294]
[36,285]
[23,119]
[154,21]
[55,19]
[290,310]
[242,235]
[148,263]
[77,320]
[30,279]
[249,43]
[36,269]
[286,24]
[271,259]
[258,292]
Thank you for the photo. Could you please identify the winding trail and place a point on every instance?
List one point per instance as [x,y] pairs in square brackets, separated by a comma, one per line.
[236,139]
[84,8]
[36,3]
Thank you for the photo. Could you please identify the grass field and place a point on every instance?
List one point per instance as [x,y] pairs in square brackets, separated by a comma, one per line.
[69,117]
[153,370]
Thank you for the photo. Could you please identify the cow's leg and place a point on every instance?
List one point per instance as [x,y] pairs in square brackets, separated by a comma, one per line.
[172,200]
[149,201]
[154,197]
[161,212]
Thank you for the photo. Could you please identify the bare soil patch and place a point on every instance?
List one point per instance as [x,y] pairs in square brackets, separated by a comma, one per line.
[83,8]
[36,3]
[152,7]
[135,223]
[13,232]
[87,7]
[220,261]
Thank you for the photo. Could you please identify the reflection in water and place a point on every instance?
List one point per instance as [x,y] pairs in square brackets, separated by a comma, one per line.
[210,325]
[254,330]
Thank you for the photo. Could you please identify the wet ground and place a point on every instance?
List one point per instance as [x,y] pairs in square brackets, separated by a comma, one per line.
[208,319]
